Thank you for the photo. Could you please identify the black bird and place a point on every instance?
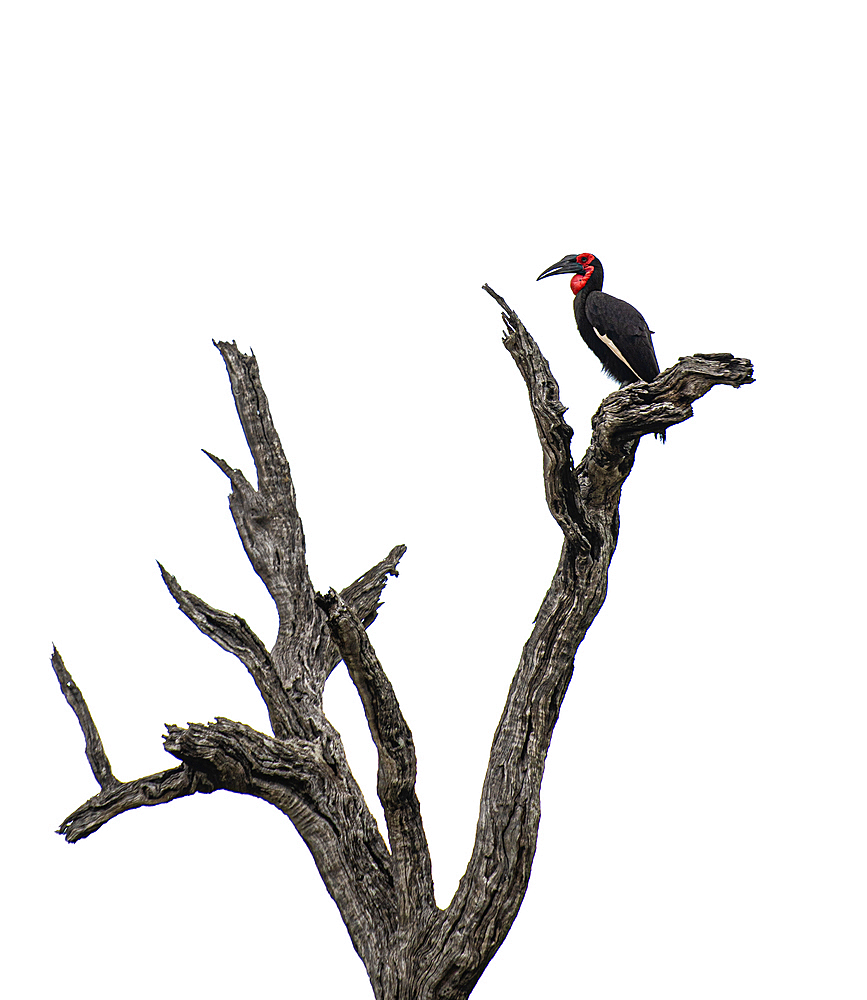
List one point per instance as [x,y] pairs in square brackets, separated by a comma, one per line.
[615,331]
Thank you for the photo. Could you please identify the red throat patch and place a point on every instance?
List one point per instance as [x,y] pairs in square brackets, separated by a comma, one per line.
[580,280]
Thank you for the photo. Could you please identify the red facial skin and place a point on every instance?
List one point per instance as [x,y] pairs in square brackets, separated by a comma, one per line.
[580,280]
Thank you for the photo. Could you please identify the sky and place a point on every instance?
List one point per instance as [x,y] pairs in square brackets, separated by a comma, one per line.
[331,185]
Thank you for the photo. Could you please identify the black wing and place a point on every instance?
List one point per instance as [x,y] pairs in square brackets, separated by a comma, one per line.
[623,331]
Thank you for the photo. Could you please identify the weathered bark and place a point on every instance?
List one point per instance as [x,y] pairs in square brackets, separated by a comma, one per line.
[412,949]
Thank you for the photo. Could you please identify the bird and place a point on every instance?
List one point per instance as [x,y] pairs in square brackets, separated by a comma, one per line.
[615,331]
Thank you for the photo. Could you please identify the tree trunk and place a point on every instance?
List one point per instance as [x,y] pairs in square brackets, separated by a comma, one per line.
[412,949]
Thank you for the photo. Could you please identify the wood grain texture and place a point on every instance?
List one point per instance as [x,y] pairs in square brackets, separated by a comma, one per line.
[412,949]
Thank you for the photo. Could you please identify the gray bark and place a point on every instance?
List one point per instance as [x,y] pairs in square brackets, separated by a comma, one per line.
[412,949]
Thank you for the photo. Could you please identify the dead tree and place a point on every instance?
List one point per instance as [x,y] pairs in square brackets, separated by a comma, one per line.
[412,949]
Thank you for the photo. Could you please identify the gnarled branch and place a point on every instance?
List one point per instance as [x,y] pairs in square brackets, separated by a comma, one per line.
[152,790]
[233,634]
[584,502]
[397,760]
[555,435]
[93,748]
[412,950]
[363,595]
[303,771]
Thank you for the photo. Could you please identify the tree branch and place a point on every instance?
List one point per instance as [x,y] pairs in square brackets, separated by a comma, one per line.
[93,748]
[233,634]
[364,594]
[364,597]
[310,782]
[555,435]
[115,799]
[584,502]
[115,796]
[303,771]
[397,760]
[259,430]
[271,532]
[412,950]
[649,407]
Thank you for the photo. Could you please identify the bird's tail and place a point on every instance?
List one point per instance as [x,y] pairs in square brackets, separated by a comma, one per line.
[660,436]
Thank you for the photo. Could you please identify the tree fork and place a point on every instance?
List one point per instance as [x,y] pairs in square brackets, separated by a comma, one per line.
[411,948]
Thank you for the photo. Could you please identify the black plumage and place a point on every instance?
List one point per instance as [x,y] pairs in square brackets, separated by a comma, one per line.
[615,331]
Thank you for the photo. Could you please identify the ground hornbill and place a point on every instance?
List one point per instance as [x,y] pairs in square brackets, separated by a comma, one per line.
[614,330]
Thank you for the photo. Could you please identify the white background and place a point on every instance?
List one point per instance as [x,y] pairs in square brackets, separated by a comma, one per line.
[331,185]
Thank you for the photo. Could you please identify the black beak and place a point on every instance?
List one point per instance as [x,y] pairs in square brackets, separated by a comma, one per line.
[568,265]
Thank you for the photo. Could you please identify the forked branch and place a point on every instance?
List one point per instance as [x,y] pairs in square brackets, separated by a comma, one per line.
[412,950]
[584,502]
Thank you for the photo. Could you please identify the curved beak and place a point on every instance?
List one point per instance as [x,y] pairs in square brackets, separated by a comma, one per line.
[568,265]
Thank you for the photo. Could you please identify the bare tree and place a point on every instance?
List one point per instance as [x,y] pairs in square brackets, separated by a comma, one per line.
[412,949]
